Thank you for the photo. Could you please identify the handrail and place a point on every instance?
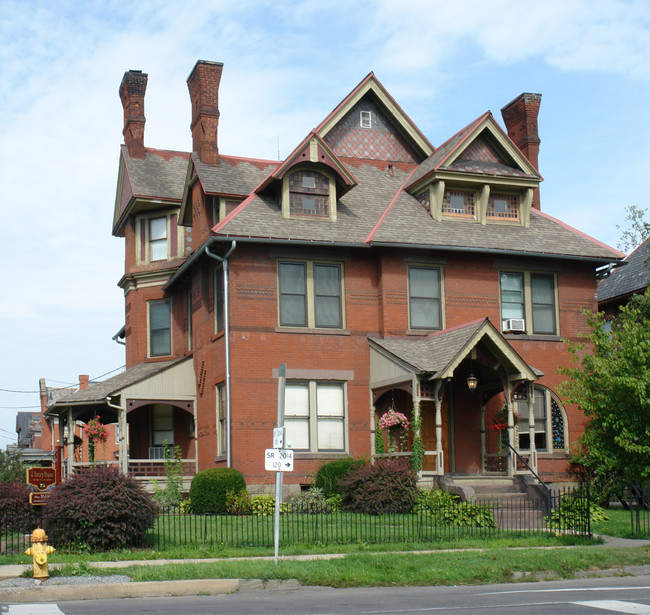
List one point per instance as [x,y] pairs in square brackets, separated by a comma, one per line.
[541,482]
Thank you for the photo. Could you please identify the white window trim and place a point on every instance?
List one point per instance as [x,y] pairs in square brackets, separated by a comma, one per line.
[220,419]
[548,427]
[442,294]
[310,293]
[146,239]
[313,416]
[528,299]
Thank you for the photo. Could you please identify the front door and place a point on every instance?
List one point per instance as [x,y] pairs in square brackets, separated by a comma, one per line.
[428,413]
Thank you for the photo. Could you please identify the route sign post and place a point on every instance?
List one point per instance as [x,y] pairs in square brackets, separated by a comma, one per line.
[277,435]
[278,460]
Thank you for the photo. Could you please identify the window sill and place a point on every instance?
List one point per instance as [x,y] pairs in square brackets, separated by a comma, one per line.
[532,337]
[305,455]
[312,331]
[220,458]
[421,332]
[217,336]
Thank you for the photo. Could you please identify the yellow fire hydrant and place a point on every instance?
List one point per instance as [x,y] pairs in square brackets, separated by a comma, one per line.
[39,552]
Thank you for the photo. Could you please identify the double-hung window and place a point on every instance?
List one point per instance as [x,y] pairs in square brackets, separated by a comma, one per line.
[310,294]
[528,302]
[158,239]
[425,305]
[160,328]
[222,429]
[218,300]
[162,430]
[314,416]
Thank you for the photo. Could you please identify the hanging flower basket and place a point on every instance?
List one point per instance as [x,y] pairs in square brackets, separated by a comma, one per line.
[396,425]
[96,432]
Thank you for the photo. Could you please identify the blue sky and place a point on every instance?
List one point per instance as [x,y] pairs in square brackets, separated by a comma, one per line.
[287,65]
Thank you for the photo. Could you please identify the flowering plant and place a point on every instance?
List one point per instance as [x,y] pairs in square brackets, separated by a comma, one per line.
[392,418]
[96,430]
[500,420]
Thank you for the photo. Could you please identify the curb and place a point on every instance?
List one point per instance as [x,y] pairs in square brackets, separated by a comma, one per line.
[149,589]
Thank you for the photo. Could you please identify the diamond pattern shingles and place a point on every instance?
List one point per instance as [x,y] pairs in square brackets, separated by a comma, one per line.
[633,277]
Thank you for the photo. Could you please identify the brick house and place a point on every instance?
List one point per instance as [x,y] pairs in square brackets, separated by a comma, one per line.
[384,272]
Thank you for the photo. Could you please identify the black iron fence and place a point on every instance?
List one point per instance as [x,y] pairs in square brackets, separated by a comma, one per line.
[561,511]
[637,499]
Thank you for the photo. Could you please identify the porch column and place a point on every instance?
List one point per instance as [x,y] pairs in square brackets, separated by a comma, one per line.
[70,427]
[511,432]
[440,456]
[122,453]
[415,421]
[531,426]
[483,448]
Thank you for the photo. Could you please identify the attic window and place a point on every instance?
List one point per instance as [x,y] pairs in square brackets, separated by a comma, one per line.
[366,119]
[459,203]
[503,207]
[309,194]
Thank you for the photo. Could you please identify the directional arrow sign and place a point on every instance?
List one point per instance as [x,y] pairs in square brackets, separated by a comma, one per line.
[278,460]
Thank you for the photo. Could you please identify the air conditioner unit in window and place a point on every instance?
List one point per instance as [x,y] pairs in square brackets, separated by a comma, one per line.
[510,325]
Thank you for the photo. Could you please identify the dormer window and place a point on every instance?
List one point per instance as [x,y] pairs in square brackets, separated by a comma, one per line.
[158,239]
[503,207]
[365,121]
[459,203]
[309,194]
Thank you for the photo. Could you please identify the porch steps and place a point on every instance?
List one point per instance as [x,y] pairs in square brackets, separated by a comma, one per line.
[512,507]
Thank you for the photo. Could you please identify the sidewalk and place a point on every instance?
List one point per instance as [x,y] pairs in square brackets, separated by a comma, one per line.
[59,589]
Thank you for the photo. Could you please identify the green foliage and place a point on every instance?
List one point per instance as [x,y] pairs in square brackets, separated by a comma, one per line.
[572,512]
[263,505]
[417,454]
[611,384]
[335,502]
[311,501]
[449,511]
[172,493]
[238,503]
[100,508]
[380,447]
[11,466]
[330,474]
[16,513]
[387,486]
[210,487]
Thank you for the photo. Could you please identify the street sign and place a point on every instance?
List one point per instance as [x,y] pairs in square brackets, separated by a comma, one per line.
[278,437]
[278,460]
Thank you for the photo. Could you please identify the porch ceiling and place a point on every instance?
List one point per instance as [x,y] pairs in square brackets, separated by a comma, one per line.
[439,354]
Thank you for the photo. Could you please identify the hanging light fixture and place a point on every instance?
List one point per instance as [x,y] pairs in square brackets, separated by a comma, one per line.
[472,380]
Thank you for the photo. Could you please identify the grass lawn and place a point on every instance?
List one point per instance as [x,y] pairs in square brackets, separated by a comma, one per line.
[619,525]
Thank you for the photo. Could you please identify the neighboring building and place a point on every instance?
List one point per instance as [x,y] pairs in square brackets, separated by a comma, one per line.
[381,270]
[632,278]
[29,443]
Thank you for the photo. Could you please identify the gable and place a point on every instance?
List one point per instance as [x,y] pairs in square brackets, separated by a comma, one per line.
[379,141]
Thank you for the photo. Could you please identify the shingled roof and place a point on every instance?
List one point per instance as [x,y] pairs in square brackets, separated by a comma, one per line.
[633,277]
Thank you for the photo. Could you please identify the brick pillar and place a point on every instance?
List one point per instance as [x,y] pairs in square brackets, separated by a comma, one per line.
[132,90]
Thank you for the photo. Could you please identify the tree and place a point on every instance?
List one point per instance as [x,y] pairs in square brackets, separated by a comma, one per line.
[11,466]
[637,231]
[611,384]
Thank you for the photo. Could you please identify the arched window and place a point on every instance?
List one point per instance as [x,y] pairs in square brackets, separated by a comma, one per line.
[309,194]
[550,422]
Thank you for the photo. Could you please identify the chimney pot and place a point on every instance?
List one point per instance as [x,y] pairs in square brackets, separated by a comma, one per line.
[203,85]
[83,381]
[520,117]
[132,91]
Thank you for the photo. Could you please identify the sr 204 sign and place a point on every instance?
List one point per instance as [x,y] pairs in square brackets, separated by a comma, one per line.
[278,460]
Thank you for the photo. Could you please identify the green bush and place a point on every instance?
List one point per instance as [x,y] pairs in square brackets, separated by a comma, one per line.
[387,486]
[329,474]
[210,487]
[171,494]
[238,503]
[311,501]
[448,510]
[572,512]
[16,513]
[101,509]
[263,505]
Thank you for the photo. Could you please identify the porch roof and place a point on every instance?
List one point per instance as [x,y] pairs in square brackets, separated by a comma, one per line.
[85,401]
[437,355]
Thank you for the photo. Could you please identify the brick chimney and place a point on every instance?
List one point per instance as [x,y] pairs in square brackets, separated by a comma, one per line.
[83,381]
[132,89]
[520,117]
[203,84]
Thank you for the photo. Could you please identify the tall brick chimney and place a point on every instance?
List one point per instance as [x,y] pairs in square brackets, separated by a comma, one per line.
[203,84]
[520,117]
[132,89]
[83,381]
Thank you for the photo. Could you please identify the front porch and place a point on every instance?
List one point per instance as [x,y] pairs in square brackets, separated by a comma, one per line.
[459,389]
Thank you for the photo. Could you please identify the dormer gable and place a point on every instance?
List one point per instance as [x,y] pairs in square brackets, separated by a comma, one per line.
[369,124]
[479,175]
[310,181]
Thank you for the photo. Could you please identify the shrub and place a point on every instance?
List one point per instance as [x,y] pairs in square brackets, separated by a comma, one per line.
[11,466]
[572,512]
[101,509]
[16,513]
[388,486]
[311,501]
[448,510]
[210,487]
[171,494]
[263,505]
[329,474]
[238,503]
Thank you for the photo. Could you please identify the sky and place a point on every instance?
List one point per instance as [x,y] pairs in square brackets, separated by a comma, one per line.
[287,64]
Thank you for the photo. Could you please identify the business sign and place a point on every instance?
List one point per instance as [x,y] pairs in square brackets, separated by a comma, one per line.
[278,460]
[41,478]
[38,499]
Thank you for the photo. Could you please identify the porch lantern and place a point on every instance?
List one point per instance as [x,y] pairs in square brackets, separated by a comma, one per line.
[472,382]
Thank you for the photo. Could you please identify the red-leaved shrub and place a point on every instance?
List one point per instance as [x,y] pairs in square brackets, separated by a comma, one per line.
[16,513]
